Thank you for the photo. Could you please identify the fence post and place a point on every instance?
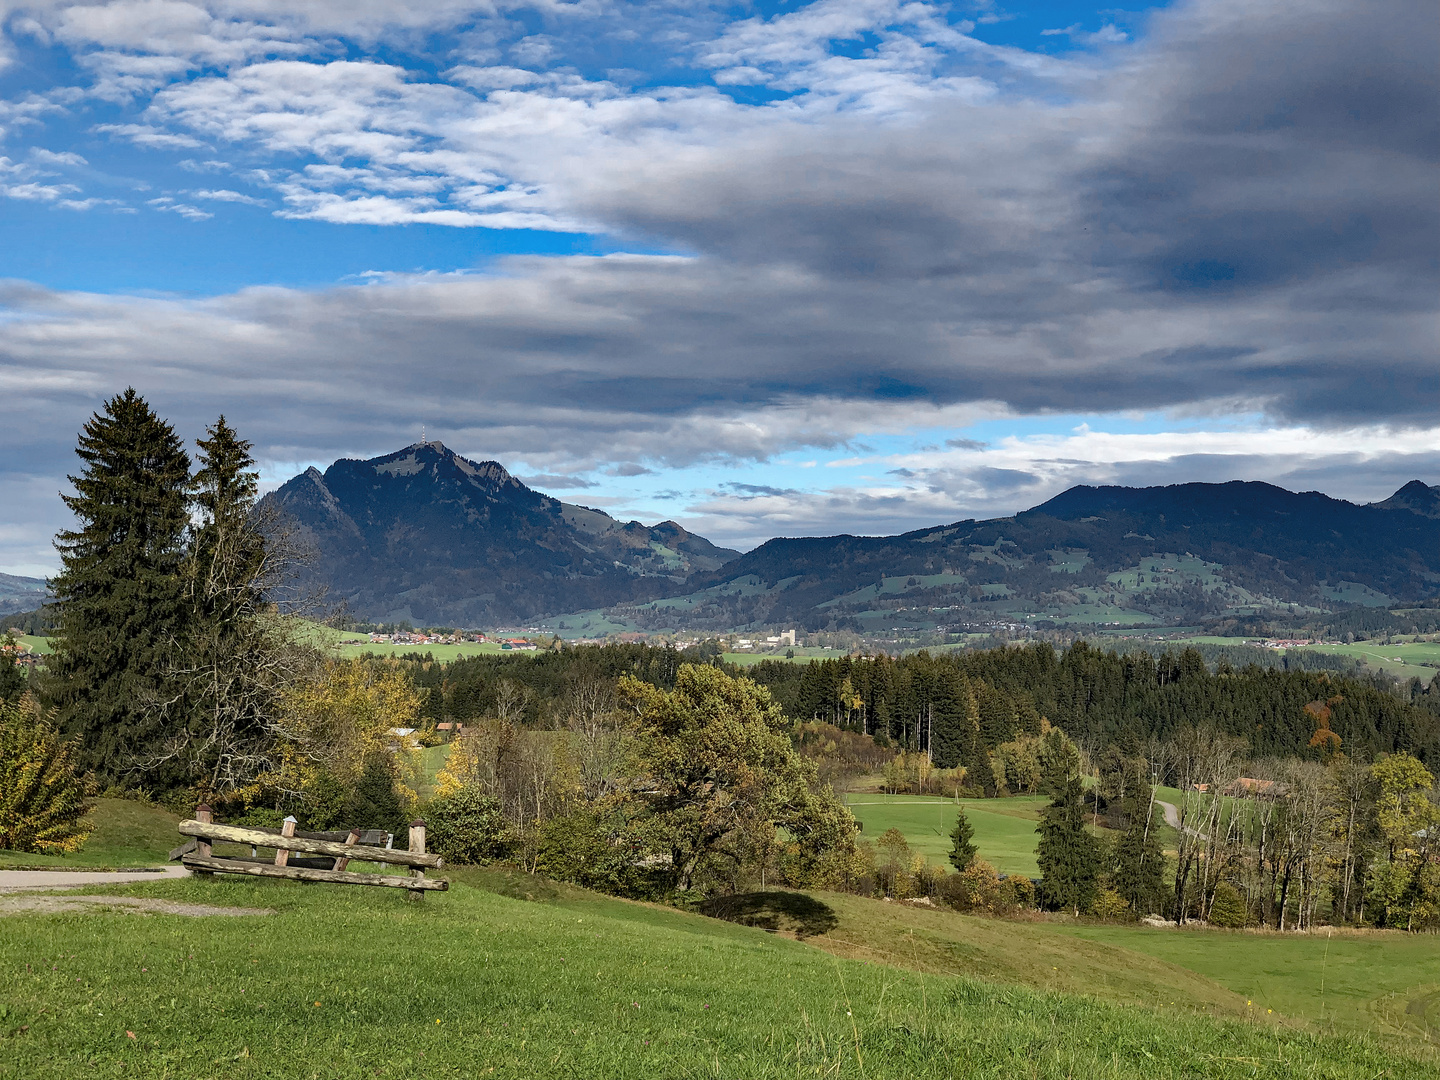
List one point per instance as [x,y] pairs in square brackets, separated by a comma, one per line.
[353,838]
[287,828]
[417,843]
[202,847]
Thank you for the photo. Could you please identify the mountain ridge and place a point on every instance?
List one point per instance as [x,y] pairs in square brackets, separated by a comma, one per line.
[1089,556]
[425,534]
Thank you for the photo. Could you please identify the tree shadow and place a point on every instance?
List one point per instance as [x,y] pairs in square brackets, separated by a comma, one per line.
[789,912]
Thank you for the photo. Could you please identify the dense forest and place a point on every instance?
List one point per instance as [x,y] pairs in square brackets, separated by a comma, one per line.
[959,707]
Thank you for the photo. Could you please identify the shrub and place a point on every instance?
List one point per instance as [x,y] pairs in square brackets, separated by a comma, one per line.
[930,880]
[585,848]
[976,888]
[1227,909]
[1018,891]
[466,826]
[1109,904]
[42,799]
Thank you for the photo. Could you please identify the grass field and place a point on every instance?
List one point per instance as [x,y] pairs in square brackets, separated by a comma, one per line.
[40,645]
[1004,828]
[355,983]
[1403,659]
[125,833]
[1420,658]
[803,655]
[1345,981]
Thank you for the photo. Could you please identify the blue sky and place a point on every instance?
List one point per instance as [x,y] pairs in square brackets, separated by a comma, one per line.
[780,268]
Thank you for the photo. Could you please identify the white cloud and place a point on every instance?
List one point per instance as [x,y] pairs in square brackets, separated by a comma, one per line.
[917,229]
[227,196]
[168,204]
[145,135]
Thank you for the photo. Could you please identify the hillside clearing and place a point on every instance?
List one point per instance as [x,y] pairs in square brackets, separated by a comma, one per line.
[1004,828]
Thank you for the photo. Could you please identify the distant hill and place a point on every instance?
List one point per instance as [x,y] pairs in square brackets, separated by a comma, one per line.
[1416,497]
[20,593]
[1091,556]
[426,535]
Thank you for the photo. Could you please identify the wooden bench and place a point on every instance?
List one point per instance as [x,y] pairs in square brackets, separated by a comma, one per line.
[334,851]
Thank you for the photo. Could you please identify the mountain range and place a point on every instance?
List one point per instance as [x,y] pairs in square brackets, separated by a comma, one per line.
[426,535]
[1091,556]
[20,593]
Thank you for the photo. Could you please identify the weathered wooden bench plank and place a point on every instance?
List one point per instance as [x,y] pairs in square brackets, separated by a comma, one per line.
[257,838]
[298,873]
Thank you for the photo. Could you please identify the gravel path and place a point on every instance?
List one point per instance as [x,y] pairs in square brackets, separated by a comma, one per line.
[13,881]
[22,905]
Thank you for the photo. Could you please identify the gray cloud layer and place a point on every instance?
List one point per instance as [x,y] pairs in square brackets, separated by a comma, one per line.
[1238,215]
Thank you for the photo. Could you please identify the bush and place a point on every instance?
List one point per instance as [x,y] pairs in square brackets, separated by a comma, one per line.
[42,799]
[976,888]
[1109,904]
[1227,909]
[1018,891]
[930,880]
[597,853]
[466,826]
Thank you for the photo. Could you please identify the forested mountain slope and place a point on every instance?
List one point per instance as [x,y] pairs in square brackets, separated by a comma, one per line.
[20,593]
[426,535]
[1091,556]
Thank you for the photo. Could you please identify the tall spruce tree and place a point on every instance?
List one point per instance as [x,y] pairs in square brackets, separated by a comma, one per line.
[1069,856]
[1139,859]
[230,663]
[962,842]
[120,600]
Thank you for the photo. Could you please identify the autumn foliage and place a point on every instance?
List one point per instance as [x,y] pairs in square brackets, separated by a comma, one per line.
[42,797]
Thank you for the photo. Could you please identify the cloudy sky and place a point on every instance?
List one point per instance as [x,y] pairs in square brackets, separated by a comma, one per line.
[768,268]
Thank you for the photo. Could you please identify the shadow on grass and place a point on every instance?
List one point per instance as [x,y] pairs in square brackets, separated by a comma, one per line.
[791,912]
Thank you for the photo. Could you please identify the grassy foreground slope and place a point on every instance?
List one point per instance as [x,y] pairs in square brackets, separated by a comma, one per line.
[356,983]
[1345,980]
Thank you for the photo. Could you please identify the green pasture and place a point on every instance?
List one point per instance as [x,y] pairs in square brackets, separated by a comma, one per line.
[1352,592]
[38,644]
[442,653]
[510,976]
[1004,828]
[803,655]
[1405,660]
[1402,659]
[1342,980]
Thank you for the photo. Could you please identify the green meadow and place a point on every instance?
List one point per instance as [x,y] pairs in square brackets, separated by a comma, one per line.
[511,976]
[1004,828]
[125,833]
[1337,980]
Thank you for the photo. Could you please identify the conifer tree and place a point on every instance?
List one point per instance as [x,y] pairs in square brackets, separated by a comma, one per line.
[374,803]
[12,677]
[962,842]
[1139,863]
[119,599]
[1069,857]
[234,656]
